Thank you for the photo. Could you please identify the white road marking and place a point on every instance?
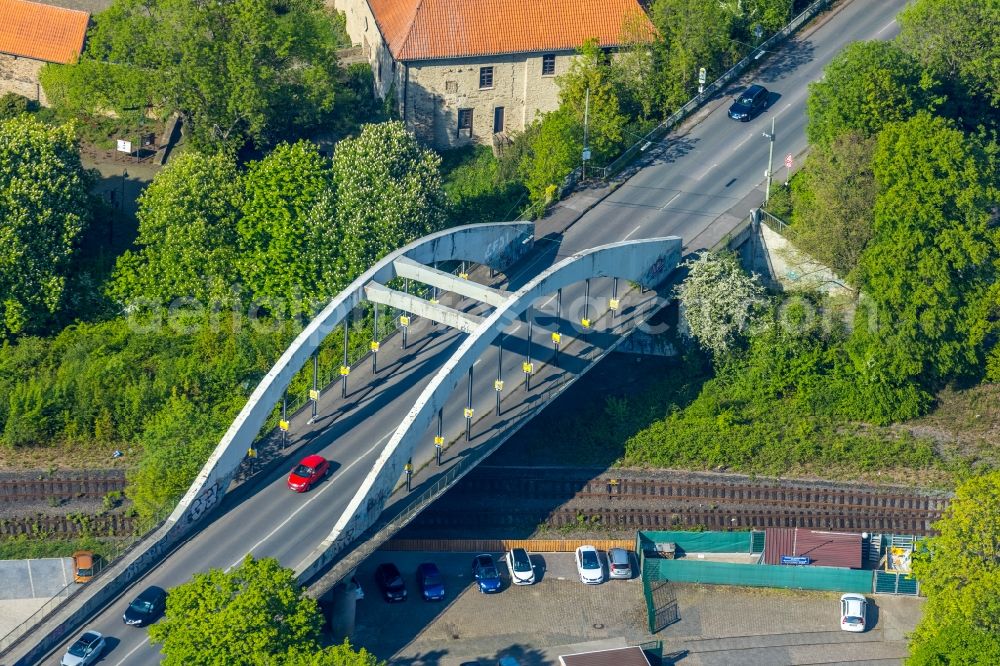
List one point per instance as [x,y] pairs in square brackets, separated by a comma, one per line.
[737,146]
[316,495]
[887,26]
[132,651]
[705,173]
[638,226]
[672,199]
[31,582]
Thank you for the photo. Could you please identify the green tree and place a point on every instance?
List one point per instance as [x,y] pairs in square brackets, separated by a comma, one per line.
[554,149]
[633,68]
[718,299]
[44,209]
[254,614]
[187,234]
[960,573]
[388,194]
[234,70]
[958,41]
[288,232]
[334,655]
[769,15]
[931,268]
[834,205]
[590,78]
[693,34]
[867,86]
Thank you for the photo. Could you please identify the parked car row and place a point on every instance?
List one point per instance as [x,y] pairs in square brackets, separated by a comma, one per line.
[487,577]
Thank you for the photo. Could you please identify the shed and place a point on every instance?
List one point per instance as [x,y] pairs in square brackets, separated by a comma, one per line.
[825,549]
[629,656]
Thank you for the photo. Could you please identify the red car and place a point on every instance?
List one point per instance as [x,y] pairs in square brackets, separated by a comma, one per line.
[308,473]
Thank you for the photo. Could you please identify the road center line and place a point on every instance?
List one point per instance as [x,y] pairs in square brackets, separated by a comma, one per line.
[133,651]
[669,202]
[316,495]
[630,234]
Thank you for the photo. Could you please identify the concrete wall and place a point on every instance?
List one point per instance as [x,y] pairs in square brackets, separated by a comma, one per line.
[364,32]
[436,89]
[20,75]
[795,270]
[647,262]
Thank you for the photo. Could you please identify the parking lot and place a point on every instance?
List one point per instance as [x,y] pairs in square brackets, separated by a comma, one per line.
[560,615]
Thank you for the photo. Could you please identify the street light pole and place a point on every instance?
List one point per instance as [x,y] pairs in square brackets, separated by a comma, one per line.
[770,157]
[586,133]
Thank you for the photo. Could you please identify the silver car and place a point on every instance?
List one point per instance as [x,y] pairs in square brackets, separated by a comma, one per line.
[619,563]
[86,650]
[519,565]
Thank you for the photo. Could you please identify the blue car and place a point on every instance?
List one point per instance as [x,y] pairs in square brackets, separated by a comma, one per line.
[484,570]
[430,582]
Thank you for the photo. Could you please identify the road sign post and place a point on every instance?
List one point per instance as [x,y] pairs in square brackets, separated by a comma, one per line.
[789,160]
[702,77]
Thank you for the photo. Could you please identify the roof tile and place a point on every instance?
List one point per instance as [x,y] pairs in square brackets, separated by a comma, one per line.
[431,29]
[42,32]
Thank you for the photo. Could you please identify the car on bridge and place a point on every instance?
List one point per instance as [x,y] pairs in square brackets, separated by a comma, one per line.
[484,571]
[146,607]
[86,650]
[310,471]
[751,102]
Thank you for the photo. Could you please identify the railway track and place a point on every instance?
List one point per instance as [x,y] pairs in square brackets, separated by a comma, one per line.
[92,485]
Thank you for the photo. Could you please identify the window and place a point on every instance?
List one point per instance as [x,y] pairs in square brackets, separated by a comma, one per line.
[366,24]
[485,77]
[380,71]
[497,119]
[451,86]
[549,64]
[465,122]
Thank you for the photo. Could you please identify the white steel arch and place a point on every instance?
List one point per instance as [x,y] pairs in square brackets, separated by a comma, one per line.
[647,262]
[496,245]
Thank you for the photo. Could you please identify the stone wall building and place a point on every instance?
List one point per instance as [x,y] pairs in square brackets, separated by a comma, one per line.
[464,71]
[31,34]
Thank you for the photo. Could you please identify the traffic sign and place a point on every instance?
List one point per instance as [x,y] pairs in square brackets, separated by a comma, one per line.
[788,161]
[702,76]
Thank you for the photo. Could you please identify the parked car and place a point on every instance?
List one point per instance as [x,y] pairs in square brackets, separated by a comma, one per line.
[752,101]
[588,565]
[484,570]
[390,581]
[853,610]
[86,650]
[430,582]
[83,566]
[619,563]
[146,607]
[519,565]
[308,473]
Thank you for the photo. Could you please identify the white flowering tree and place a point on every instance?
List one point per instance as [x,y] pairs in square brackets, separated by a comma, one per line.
[718,299]
[388,194]
[44,209]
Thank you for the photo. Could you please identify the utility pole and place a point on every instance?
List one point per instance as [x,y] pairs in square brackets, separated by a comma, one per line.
[770,157]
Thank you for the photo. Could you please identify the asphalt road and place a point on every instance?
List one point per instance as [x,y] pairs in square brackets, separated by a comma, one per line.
[697,176]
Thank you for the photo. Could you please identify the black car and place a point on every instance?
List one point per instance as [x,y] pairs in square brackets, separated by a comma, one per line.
[389,580]
[747,105]
[146,607]
[430,582]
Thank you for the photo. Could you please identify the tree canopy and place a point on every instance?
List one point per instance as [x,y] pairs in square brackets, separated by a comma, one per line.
[389,193]
[235,70]
[255,614]
[932,265]
[289,239]
[187,234]
[718,300]
[587,89]
[959,571]
[44,210]
[867,86]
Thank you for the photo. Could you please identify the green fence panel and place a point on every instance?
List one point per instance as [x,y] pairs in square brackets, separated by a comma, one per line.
[756,542]
[758,575]
[885,582]
[699,542]
[907,585]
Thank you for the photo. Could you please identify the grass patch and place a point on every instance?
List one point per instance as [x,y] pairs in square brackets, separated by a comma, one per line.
[23,547]
[481,188]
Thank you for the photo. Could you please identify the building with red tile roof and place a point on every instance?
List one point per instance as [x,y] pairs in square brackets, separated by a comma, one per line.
[31,34]
[466,71]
